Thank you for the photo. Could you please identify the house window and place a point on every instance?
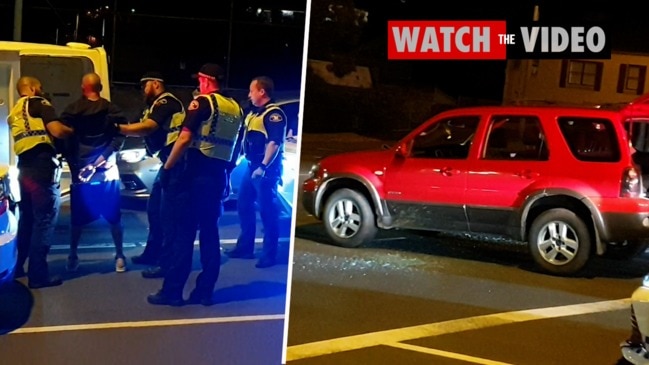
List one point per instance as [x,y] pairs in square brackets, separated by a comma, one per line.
[631,79]
[581,74]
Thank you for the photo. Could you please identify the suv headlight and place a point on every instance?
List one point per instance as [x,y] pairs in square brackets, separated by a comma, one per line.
[133,155]
[314,171]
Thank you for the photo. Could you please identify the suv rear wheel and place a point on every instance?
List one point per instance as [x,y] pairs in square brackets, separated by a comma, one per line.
[349,219]
[559,241]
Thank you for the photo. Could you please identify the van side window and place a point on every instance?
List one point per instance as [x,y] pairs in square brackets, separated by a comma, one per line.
[60,76]
[516,138]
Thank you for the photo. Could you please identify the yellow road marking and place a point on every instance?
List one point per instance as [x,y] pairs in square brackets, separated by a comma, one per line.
[366,340]
[452,355]
[163,323]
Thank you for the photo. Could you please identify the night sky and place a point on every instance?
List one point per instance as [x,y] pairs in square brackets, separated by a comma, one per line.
[175,39]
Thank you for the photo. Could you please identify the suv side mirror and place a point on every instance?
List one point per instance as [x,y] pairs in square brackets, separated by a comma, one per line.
[403,149]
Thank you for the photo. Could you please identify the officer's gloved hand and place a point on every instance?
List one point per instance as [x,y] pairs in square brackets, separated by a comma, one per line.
[164,177]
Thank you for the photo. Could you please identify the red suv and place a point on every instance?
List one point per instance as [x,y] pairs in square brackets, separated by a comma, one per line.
[565,180]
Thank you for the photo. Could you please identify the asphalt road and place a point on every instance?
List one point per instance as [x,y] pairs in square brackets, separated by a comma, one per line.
[101,317]
[410,298]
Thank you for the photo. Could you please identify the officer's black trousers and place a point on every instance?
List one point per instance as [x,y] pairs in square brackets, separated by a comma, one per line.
[263,192]
[39,210]
[154,240]
[195,200]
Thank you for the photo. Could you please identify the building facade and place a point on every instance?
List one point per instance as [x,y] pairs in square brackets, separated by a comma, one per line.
[619,79]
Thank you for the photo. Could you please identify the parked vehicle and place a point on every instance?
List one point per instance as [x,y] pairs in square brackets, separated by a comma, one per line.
[137,170]
[561,179]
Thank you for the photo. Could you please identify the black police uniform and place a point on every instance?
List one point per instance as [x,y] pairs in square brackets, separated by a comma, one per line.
[195,191]
[39,173]
[263,124]
[168,112]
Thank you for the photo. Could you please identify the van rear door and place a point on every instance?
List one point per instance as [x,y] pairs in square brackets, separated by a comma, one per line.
[9,75]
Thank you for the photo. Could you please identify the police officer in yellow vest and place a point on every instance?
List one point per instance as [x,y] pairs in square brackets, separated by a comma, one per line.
[34,127]
[160,126]
[263,147]
[194,177]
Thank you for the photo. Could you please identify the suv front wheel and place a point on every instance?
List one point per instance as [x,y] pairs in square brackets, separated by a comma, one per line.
[559,241]
[349,219]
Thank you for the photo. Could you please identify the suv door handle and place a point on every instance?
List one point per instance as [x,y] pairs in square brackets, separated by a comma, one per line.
[449,171]
[528,174]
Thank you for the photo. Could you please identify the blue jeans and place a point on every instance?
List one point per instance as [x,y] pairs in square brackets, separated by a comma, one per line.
[194,201]
[39,211]
[263,191]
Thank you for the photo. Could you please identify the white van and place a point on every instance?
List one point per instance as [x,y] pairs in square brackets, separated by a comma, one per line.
[59,68]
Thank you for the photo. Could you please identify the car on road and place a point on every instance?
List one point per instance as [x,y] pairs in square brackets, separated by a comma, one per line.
[561,179]
[9,194]
[138,170]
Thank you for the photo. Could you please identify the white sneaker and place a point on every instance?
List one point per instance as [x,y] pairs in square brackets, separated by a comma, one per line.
[635,355]
[120,264]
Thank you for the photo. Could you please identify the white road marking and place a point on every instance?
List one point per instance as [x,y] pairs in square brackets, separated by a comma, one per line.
[366,340]
[140,324]
[452,355]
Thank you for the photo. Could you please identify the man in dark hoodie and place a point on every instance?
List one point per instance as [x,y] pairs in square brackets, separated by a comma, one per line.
[95,190]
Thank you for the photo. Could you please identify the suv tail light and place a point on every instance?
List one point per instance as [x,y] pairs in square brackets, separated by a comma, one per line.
[631,183]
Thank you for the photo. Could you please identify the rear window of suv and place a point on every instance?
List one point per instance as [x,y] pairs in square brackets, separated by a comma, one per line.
[590,139]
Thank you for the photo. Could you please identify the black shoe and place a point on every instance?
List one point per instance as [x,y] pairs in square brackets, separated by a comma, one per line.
[239,254]
[153,273]
[52,281]
[205,300]
[265,262]
[161,299]
[144,260]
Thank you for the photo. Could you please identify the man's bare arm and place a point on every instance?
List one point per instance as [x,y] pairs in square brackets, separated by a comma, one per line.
[58,129]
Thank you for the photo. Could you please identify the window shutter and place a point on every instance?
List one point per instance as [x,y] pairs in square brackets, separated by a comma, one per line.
[641,79]
[598,76]
[564,73]
[621,78]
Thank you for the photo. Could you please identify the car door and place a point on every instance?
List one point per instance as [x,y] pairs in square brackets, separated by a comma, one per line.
[512,159]
[424,187]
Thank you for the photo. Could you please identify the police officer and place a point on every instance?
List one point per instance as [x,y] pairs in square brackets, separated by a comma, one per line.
[34,125]
[263,147]
[160,125]
[194,180]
